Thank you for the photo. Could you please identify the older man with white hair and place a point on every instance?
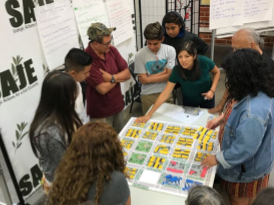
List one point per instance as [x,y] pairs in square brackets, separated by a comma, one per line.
[244,38]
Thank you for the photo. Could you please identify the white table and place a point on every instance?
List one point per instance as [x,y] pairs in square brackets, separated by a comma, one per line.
[149,197]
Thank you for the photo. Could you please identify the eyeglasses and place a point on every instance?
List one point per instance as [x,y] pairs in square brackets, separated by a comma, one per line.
[105,44]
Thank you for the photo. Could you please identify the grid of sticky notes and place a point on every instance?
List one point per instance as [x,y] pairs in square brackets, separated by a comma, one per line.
[206,139]
[133,133]
[168,154]
[172,141]
[156,126]
[150,135]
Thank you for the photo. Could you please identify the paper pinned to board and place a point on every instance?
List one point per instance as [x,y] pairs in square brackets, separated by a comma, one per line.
[150,177]
[170,110]
[88,12]
[120,17]
[187,118]
[57,30]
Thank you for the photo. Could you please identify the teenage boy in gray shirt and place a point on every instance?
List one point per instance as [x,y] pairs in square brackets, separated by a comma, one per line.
[154,64]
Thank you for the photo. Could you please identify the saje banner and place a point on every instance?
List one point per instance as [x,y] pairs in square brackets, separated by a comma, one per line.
[22,70]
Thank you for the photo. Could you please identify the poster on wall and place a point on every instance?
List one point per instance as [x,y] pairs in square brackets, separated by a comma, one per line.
[224,14]
[57,30]
[83,10]
[120,18]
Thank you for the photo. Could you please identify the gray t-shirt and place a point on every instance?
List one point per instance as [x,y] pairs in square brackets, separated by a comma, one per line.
[148,62]
[116,192]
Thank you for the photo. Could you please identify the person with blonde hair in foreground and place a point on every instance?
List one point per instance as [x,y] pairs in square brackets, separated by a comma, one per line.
[92,169]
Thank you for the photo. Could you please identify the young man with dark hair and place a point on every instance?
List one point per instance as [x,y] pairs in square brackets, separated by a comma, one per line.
[154,64]
[176,33]
[78,65]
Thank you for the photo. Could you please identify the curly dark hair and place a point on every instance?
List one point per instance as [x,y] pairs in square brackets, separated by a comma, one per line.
[247,73]
[94,153]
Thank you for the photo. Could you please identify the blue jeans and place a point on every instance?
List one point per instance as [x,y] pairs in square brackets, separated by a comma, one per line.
[206,104]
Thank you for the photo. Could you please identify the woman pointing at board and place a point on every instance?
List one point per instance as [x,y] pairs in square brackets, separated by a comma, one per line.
[193,73]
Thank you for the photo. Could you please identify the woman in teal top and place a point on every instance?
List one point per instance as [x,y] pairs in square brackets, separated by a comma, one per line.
[193,73]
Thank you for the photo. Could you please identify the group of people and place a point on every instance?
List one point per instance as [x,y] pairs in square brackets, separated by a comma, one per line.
[83,162]
[246,126]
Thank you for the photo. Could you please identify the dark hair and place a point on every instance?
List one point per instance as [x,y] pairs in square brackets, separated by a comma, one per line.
[154,31]
[190,48]
[56,105]
[172,17]
[204,195]
[77,59]
[94,153]
[265,197]
[247,73]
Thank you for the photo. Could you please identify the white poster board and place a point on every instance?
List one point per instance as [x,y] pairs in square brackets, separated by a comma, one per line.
[258,14]
[255,11]
[120,18]
[58,31]
[88,12]
[225,13]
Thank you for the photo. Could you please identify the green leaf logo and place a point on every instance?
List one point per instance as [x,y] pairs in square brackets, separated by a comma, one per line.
[129,60]
[16,61]
[20,134]
[46,69]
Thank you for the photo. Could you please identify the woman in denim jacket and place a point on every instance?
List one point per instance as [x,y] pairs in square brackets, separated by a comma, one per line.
[247,155]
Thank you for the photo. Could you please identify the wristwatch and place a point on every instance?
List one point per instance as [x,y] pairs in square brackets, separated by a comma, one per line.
[112,79]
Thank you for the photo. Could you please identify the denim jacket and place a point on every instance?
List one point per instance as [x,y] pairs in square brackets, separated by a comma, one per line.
[248,143]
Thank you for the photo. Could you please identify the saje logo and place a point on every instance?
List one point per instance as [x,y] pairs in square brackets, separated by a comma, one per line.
[28,15]
[21,77]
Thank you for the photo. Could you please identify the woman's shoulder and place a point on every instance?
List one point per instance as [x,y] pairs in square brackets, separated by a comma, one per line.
[48,128]
[116,191]
[176,69]
[118,177]
[203,58]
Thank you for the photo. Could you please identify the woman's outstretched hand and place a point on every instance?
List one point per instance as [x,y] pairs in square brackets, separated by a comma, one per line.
[143,119]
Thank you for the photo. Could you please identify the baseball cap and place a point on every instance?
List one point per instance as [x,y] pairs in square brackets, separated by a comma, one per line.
[98,29]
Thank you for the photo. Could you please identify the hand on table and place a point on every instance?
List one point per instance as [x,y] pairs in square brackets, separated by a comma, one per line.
[143,119]
[209,162]
[212,124]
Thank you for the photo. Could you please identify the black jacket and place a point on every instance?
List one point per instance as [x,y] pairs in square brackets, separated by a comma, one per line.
[201,46]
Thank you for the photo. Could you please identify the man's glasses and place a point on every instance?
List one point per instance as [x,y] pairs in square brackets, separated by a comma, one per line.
[105,44]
